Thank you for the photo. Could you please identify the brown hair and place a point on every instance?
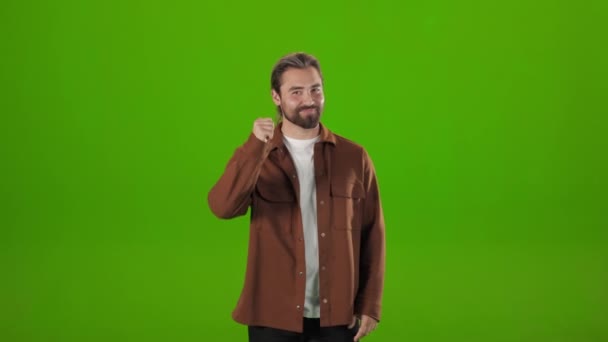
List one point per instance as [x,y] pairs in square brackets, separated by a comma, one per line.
[299,60]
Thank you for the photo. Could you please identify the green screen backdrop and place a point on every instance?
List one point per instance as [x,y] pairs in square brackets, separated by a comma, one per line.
[486,122]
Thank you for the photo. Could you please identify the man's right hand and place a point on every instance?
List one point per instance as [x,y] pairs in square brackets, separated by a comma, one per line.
[263,129]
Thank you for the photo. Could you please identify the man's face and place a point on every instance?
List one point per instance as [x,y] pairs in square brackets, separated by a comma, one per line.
[301,98]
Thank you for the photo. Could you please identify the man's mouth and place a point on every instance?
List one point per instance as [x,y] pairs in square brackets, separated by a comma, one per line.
[309,110]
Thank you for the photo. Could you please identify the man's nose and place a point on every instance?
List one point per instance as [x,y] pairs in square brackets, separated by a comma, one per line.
[308,98]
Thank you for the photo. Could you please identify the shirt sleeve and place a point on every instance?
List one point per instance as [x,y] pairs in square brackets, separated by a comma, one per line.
[372,259]
[230,196]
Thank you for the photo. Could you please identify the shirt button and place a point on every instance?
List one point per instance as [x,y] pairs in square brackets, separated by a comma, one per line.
[322,202]
[301,273]
[325,300]
[293,176]
[322,268]
[300,239]
[322,234]
[298,307]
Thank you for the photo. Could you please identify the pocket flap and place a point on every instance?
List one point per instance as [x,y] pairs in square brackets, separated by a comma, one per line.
[350,189]
[275,193]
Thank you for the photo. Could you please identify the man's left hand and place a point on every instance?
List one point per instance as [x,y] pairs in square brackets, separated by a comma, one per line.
[367,325]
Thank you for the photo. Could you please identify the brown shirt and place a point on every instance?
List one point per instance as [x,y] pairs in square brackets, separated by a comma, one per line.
[262,176]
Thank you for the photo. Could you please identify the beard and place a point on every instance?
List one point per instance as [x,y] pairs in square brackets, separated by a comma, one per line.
[307,122]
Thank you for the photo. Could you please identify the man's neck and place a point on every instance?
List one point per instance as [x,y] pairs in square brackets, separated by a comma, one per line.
[294,131]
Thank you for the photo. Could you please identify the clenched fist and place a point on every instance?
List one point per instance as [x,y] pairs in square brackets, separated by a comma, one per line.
[263,129]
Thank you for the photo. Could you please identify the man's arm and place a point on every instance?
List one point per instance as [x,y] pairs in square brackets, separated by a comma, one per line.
[372,260]
[231,195]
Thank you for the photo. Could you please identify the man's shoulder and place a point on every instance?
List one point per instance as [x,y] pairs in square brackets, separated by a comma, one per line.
[348,144]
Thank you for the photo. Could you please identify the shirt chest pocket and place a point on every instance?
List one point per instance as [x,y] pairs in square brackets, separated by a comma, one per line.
[347,205]
[273,206]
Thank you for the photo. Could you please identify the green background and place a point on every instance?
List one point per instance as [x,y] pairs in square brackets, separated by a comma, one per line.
[486,122]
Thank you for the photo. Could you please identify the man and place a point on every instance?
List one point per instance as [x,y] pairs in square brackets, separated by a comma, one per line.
[315,267]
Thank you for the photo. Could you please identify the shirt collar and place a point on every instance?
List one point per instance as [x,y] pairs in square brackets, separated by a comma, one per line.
[325,136]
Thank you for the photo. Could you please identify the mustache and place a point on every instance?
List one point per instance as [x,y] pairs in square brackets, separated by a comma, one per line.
[308,107]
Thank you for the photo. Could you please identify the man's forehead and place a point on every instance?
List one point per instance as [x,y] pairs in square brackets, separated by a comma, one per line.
[295,76]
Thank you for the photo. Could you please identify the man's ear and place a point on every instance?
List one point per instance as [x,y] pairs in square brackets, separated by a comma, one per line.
[276,98]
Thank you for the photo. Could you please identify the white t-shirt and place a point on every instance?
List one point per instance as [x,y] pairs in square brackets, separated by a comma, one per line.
[302,152]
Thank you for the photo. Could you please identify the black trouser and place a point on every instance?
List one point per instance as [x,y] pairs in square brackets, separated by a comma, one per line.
[312,333]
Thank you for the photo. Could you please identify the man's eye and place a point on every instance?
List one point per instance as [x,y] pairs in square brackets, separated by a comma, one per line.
[297,92]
